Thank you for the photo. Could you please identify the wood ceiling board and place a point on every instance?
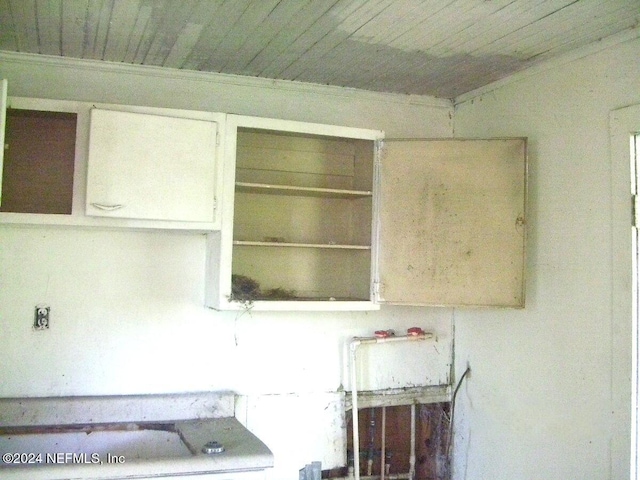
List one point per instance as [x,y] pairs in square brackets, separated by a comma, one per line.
[434,40]
[24,13]
[484,66]
[222,25]
[184,44]
[313,57]
[391,22]
[73,23]
[488,29]
[48,22]
[537,34]
[137,34]
[433,27]
[171,22]
[282,15]
[121,23]
[98,28]
[332,52]
[8,39]
[405,69]
[210,16]
[247,25]
[576,36]
[308,30]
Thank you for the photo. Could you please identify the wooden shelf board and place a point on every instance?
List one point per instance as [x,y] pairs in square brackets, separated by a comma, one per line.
[247,187]
[248,243]
[324,304]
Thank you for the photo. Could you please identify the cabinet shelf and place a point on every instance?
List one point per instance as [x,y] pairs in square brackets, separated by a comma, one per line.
[300,245]
[263,188]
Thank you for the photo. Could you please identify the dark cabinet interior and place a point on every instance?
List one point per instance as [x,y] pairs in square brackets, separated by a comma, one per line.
[39,156]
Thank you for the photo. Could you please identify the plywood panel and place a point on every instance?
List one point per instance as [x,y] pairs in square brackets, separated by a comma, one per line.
[452,222]
[39,161]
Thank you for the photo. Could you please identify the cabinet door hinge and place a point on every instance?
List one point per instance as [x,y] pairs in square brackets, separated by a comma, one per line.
[376,289]
[635,211]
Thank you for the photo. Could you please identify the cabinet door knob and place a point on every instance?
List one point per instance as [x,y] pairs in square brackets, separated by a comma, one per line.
[102,206]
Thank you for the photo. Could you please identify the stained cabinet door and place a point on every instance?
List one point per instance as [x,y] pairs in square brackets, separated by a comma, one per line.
[452,222]
[148,166]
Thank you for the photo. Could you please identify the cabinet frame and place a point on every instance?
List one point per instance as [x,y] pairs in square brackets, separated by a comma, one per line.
[220,244]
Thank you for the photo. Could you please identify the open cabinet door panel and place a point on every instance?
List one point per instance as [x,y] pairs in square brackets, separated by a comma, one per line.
[452,222]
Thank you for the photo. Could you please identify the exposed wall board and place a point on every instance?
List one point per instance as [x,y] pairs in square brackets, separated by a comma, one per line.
[432,430]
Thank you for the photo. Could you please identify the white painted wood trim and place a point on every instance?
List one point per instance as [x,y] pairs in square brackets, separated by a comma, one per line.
[304,127]
[4,84]
[624,348]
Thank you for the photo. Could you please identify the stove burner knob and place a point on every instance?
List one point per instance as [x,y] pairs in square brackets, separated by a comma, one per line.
[213,447]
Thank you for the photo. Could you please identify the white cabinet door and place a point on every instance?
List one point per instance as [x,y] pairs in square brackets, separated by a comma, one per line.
[451,226]
[148,166]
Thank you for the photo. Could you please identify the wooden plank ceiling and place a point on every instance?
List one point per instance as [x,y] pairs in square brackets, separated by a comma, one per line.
[441,48]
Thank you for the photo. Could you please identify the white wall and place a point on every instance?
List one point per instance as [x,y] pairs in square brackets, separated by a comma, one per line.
[549,392]
[127,311]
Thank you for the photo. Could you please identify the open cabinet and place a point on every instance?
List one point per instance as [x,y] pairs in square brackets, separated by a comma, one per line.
[298,217]
[320,217]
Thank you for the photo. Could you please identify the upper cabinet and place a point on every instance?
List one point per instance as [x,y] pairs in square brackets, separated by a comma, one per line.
[297,221]
[75,163]
[299,216]
[153,167]
[330,218]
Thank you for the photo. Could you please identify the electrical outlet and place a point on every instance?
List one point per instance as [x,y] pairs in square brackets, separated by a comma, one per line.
[41,317]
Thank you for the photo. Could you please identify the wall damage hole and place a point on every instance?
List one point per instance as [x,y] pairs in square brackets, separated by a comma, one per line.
[432,430]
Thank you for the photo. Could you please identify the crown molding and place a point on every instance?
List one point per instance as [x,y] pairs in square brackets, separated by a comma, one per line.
[31,59]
